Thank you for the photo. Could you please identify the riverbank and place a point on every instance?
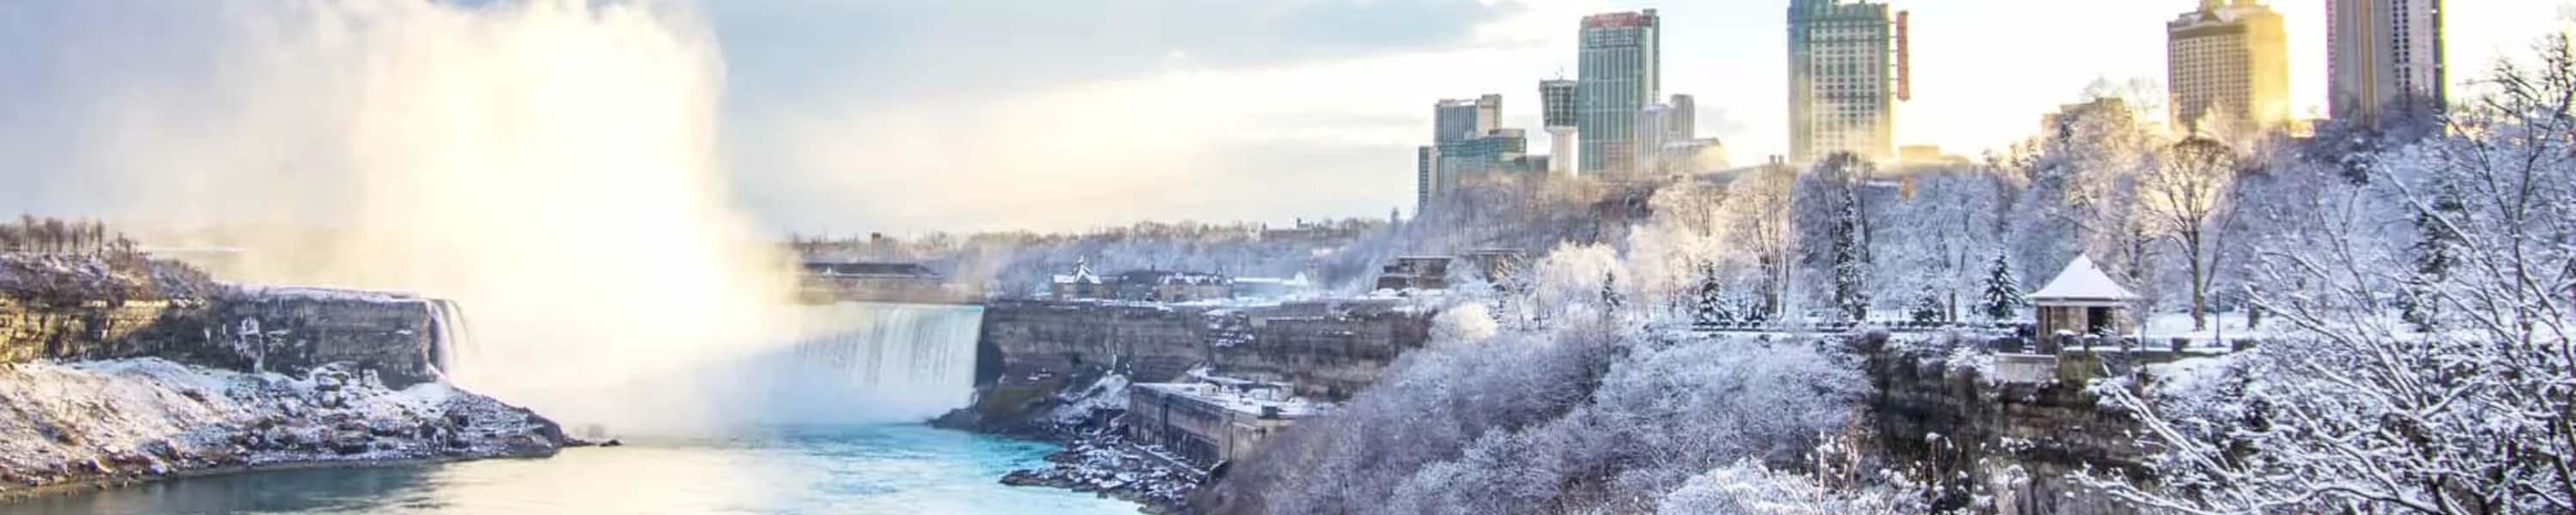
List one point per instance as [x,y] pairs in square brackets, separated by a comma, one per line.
[1106,465]
[98,424]
[1080,413]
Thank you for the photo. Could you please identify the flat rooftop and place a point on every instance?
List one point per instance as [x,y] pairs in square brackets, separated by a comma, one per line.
[1232,399]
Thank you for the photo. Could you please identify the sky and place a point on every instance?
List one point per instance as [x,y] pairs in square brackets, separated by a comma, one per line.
[991,115]
[846,117]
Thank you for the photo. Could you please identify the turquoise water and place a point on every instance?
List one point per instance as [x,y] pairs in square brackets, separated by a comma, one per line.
[901,469]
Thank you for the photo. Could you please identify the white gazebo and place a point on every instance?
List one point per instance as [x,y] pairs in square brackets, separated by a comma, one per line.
[2083,300]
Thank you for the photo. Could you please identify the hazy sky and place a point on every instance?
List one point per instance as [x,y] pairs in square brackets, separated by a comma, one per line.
[850,116]
[883,116]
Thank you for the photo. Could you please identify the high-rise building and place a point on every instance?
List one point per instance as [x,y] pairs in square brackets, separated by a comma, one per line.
[1467,141]
[2227,67]
[1843,84]
[1619,72]
[1654,128]
[1684,119]
[2384,55]
[1495,152]
[1557,115]
[1426,161]
[1466,118]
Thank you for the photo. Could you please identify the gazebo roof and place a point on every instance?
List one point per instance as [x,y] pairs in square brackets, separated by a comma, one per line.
[2081,281]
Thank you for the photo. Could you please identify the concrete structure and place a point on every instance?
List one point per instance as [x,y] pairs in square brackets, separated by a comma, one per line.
[1842,82]
[2081,301]
[1681,118]
[1557,115]
[1620,71]
[2227,68]
[1212,419]
[2384,59]
[1415,273]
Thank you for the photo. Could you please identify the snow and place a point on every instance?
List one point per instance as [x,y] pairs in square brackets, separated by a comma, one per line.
[1108,393]
[2082,281]
[120,419]
[327,293]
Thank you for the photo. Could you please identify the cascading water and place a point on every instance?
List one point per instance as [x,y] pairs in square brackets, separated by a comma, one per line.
[902,361]
[855,362]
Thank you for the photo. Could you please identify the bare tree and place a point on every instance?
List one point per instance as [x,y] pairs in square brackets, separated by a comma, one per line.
[2185,197]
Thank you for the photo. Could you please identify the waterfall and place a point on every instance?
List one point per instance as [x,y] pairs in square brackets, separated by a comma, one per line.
[902,361]
[451,340]
[856,362]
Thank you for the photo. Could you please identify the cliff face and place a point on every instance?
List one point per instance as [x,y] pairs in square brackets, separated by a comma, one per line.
[281,330]
[1329,349]
[2018,441]
[1038,354]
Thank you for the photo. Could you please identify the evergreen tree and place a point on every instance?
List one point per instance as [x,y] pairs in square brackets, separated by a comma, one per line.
[1711,305]
[2432,251]
[1610,298]
[1927,306]
[2002,291]
[1851,263]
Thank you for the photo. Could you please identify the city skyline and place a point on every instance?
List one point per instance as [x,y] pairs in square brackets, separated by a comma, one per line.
[833,120]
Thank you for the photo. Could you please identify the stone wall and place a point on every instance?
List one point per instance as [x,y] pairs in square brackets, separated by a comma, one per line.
[2018,441]
[248,331]
[1327,349]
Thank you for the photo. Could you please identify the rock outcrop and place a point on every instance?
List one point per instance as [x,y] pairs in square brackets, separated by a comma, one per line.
[130,420]
[83,308]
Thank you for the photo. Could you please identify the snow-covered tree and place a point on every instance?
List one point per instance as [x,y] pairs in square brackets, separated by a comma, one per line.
[1711,303]
[1832,214]
[2350,411]
[1928,307]
[2432,252]
[1749,488]
[1851,263]
[2186,197]
[1761,235]
[2000,297]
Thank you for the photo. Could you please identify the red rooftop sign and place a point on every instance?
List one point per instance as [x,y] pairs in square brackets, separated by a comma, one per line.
[1614,20]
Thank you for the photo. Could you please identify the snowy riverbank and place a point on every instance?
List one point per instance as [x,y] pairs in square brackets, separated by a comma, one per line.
[100,423]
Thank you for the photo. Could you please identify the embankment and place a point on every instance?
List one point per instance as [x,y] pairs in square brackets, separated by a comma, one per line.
[1035,355]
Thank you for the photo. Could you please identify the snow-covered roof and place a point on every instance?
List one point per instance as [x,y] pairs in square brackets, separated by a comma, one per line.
[2081,281]
[1081,274]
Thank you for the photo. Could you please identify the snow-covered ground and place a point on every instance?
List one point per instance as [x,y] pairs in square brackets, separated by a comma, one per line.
[133,419]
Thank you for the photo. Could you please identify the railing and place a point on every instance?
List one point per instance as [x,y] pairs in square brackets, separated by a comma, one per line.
[1836,326]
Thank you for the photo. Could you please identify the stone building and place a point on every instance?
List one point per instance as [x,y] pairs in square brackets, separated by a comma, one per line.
[2081,301]
[1081,284]
[1211,419]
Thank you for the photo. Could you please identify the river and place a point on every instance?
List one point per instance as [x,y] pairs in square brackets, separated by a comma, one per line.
[892,469]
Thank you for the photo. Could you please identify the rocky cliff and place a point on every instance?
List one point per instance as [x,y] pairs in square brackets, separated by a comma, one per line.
[1934,404]
[1047,351]
[61,313]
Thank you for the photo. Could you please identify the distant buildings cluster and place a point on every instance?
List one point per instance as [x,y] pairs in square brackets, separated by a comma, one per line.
[2227,72]
[1168,286]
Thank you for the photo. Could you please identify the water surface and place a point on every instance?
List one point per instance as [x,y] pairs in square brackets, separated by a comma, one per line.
[895,469]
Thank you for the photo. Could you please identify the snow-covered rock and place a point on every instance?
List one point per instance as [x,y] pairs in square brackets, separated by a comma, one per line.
[135,419]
